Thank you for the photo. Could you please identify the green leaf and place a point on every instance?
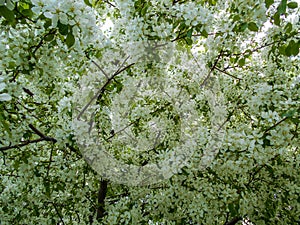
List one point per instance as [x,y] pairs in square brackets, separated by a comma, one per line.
[282,7]
[233,59]
[23,5]
[28,13]
[292,5]
[242,62]
[276,18]
[7,14]
[289,113]
[144,10]
[243,27]
[70,40]
[288,28]
[87,2]
[204,33]
[212,2]
[281,49]
[49,37]
[47,23]
[182,26]
[269,3]
[233,209]
[292,48]
[62,28]
[252,26]
[236,18]
[189,41]
[47,188]
[6,125]
[189,33]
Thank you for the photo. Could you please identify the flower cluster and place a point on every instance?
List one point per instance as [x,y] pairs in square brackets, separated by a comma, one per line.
[76,14]
[202,96]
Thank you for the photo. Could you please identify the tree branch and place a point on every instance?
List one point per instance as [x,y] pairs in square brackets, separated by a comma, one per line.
[110,3]
[101,199]
[96,64]
[223,71]
[24,143]
[100,93]
[36,47]
[46,138]
[212,69]
[59,215]
[275,125]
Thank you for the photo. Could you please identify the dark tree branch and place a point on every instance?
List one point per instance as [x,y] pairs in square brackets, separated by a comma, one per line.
[15,74]
[60,216]
[223,71]
[275,125]
[178,1]
[212,69]
[36,47]
[99,67]
[100,93]
[114,133]
[253,50]
[24,143]
[101,199]
[110,3]
[28,92]
[46,138]
[179,36]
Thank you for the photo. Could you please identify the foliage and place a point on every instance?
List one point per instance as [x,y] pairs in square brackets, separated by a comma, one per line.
[247,50]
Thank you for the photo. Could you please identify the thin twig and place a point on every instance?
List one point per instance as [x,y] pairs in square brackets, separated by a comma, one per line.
[36,47]
[110,3]
[56,210]
[223,71]
[97,65]
[24,143]
[100,93]
[276,124]
[212,69]
[122,65]
[28,92]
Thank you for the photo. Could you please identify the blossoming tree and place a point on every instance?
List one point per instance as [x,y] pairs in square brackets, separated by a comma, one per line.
[149,112]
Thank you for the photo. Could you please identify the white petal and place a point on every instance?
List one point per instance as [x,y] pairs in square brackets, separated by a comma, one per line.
[63,18]
[54,20]
[36,9]
[48,15]
[5,97]
[2,86]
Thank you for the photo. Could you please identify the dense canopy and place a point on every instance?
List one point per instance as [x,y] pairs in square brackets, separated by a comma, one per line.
[149,112]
